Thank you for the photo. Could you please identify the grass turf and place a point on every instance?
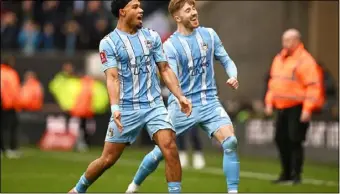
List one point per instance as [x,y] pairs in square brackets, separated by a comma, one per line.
[39,171]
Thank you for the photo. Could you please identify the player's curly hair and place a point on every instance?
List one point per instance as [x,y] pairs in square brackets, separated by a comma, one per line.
[116,5]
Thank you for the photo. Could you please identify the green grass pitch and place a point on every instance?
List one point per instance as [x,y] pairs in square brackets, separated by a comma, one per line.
[39,171]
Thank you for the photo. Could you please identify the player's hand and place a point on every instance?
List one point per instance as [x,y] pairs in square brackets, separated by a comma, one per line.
[305,117]
[117,119]
[233,83]
[186,106]
[268,110]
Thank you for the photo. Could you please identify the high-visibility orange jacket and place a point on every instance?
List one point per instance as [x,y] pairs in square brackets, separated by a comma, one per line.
[83,105]
[32,95]
[295,80]
[10,88]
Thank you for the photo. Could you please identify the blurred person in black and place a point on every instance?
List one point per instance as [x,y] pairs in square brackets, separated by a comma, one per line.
[198,161]
[71,32]
[9,31]
[101,29]
[10,104]
[329,89]
[27,11]
[87,23]
[48,38]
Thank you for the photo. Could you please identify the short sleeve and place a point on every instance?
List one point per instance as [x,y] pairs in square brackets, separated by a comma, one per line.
[158,53]
[108,56]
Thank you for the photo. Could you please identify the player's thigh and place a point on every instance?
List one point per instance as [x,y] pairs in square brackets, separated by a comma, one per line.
[157,119]
[165,138]
[180,121]
[215,121]
[132,125]
[112,152]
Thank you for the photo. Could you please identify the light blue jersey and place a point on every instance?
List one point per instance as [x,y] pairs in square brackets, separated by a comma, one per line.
[135,56]
[141,104]
[192,59]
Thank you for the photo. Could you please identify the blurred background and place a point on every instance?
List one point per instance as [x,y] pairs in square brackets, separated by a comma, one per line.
[55,44]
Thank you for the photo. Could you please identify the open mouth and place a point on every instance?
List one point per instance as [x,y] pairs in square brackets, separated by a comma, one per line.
[193,19]
[140,17]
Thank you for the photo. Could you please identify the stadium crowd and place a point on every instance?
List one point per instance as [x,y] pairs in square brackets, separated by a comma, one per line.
[59,25]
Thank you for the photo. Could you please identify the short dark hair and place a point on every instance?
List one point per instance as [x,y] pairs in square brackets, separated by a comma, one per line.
[116,5]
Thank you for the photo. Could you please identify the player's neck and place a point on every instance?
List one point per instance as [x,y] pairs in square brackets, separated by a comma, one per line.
[126,28]
[184,31]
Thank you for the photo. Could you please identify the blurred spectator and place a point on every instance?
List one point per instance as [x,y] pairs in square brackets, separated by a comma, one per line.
[78,6]
[82,109]
[27,11]
[29,37]
[32,94]
[10,104]
[88,22]
[71,31]
[76,25]
[9,30]
[48,37]
[51,13]
[100,30]
[329,89]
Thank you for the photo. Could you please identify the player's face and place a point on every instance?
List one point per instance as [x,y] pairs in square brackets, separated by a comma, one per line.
[134,14]
[188,16]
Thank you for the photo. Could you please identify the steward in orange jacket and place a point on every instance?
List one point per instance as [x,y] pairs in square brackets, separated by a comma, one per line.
[10,88]
[295,79]
[32,95]
[82,108]
[83,105]
[10,104]
[295,89]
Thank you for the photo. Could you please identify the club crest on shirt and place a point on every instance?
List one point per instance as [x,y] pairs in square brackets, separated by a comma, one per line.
[148,44]
[204,46]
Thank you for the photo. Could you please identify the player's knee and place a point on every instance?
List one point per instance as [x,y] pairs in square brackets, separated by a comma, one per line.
[169,146]
[230,144]
[107,161]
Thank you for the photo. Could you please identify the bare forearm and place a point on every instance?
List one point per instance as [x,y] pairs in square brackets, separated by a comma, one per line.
[171,82]
[113,88]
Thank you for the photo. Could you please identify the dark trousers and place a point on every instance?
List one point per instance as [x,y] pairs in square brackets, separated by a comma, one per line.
[82,125]
[194,137]
[9,126]
[289,137]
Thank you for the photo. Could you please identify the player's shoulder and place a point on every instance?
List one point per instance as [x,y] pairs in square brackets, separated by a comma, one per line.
[107,40]
[169,39]
[149,32]
[206,29]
